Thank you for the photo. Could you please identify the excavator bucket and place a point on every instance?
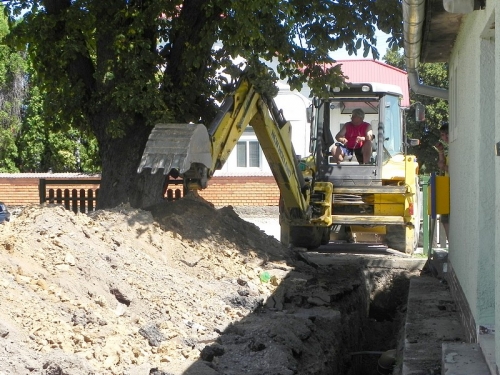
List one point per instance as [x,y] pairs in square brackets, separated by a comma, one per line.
[176,146]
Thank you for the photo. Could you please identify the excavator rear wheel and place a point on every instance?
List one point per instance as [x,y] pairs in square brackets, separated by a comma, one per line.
[309,237]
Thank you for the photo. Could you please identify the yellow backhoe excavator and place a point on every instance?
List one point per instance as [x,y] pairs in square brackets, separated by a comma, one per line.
[316,195]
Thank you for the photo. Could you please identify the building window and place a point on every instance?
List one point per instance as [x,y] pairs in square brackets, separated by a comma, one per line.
[248,154]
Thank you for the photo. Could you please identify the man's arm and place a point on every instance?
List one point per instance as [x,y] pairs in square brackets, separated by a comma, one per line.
[442,165]
[368,135]
[369,132]
[341,135]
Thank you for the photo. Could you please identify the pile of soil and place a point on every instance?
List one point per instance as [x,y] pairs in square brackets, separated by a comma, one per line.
[182,288]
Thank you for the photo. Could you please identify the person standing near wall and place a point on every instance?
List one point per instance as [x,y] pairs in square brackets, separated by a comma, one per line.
[442,149]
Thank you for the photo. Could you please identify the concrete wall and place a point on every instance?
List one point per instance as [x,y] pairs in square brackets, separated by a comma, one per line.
[495,17]
[474,168]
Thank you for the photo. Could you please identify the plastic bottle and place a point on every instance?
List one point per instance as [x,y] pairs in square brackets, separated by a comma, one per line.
[265,277]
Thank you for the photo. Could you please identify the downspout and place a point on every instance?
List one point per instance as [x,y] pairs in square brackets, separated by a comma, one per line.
[413,20]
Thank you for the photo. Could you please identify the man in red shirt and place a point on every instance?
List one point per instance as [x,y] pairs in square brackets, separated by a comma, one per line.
[355,137]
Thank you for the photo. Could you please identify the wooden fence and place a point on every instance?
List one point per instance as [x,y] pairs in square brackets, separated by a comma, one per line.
[76,200]
[85,200]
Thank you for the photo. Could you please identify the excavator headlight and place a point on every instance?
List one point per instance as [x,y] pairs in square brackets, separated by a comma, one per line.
[365,88]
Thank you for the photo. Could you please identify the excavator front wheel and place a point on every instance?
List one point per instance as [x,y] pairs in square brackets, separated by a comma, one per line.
[402,238]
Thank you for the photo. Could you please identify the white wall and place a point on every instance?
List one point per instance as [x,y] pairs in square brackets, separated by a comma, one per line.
[474,168]
[294,106]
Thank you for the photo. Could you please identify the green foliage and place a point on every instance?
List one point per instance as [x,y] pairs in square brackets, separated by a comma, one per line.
[12,92]
[43,148]
[27,141]
[156,61]
[436,111]
[115,68]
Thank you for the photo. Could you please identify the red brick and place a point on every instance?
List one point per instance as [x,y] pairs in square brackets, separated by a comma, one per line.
[222,191]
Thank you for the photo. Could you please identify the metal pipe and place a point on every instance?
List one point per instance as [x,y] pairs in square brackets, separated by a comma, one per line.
[424,182]
[421,89]
[413,20]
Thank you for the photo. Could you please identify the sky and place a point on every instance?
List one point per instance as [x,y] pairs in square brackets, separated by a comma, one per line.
[382,47]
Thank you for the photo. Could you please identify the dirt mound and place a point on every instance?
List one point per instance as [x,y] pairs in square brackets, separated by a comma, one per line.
[181,288]
[126,290]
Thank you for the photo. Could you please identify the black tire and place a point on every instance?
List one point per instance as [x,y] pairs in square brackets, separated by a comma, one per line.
[325,238]
[309,237]
[396,237]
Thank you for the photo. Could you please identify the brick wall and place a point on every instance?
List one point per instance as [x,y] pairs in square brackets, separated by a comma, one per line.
[19,191]
[222,191]
[242,191]
[464,311]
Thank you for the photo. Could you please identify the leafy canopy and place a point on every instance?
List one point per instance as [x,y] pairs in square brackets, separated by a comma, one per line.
[12,92]
[115,68]
[26,145]
[163,60]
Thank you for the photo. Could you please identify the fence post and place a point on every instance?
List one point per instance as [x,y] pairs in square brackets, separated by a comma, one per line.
[424,181]
[74,201]
[82,201]
[41,190]
[67,199]
[91,199]
[51,196]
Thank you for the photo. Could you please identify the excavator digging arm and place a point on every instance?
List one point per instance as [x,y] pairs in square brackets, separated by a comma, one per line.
[194,152]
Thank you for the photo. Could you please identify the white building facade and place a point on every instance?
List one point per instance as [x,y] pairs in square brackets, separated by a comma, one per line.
[474,167]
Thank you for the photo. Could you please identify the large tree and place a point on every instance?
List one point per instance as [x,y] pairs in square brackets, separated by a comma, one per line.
[117,67]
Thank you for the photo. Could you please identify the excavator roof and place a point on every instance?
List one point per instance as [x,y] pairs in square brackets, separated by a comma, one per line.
[361,88]
[365,95]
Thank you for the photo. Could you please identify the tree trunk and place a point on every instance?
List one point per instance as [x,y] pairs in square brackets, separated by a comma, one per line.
[120,183]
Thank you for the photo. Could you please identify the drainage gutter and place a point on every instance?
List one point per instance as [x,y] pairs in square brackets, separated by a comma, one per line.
[413,20]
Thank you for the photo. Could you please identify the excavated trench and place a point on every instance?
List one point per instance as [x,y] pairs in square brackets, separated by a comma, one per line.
[371,313]
[333,314]
[381,328]
[326,318]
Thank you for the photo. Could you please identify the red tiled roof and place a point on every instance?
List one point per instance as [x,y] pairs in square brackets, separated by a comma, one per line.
[365,70]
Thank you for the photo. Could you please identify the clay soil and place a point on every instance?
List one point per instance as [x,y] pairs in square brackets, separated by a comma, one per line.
[182,288]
